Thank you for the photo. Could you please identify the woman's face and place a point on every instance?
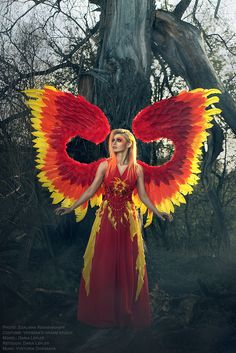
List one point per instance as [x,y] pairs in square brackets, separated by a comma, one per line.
[119,143]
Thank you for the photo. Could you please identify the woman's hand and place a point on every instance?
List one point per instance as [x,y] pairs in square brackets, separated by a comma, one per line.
[63,210]
[165,216]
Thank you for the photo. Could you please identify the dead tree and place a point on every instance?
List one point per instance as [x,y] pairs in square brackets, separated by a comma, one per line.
[129,34]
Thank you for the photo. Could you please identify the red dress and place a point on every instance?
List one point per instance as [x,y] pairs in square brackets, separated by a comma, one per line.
[114,285]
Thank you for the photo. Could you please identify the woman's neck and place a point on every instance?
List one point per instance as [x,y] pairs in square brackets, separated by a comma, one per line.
[121,158]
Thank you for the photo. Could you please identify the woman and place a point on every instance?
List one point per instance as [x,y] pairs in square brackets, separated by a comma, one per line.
[114,285]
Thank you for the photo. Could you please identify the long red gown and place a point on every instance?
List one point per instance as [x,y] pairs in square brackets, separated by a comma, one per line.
[114,285]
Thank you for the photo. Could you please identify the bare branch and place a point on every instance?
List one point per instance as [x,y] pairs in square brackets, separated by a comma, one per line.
[182,47]
[164,71]
[96,2]
[48,71]
[181,7]
[83,41]
[217,9]
[196,21]
[222,40]
[18,19]
[13,117]
[194,14]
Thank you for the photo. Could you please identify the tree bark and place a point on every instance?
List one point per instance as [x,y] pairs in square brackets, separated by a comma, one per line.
[122,86]
[214,148]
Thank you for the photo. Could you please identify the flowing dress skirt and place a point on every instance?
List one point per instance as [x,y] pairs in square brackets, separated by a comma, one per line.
[111,301]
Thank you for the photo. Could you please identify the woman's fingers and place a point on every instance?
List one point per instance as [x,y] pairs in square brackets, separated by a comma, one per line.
[167,216]
[56,211]
[161,217]
[59,211]
[170,217]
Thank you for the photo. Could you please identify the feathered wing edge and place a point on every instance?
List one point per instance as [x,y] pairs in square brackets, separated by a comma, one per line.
[56,118]
[166,185]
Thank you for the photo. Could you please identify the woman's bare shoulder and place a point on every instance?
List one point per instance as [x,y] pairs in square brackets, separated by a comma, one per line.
[139,170]
[103,165]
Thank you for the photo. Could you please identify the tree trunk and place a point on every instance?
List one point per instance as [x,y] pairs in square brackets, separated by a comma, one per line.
[208,183]
[122,76]
[123,84]
[182,47]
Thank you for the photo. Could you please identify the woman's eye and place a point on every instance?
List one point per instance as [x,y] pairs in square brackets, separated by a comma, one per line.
[119,140]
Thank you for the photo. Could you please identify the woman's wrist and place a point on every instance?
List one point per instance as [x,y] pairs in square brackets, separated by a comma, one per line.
[160,215]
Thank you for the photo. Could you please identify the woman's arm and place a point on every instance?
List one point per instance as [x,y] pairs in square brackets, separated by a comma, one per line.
[145,199]
[89,192]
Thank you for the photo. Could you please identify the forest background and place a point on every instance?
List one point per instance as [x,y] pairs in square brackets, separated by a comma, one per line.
[72,45]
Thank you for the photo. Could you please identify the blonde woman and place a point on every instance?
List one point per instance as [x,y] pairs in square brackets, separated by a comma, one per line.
[114,285]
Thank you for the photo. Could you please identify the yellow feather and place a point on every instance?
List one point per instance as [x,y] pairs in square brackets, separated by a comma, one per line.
[207,92]
[37,114]
[99,200]
[195,170]
[43,179]
[34,120]
[51,88]
[93,201]
[46,185]
[34,94]
[39,166]
[57,197]
[204,135]
[39,160]
[158,206]
[162,207]
[36,126]
[41,174]
[67,202]
[143,209]
[180,197]
[32,90]
[197,90]
[185,189]
[36,103]
[38,133]
[80,213]
[88,256]
[35,108]
[213,111]
[193,179]
[169,205]
[149,219]
[211,100]
[136,200]
[175,201]
[208,126]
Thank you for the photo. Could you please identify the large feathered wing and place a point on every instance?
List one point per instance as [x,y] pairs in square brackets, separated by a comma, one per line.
[57,117]
[183,119]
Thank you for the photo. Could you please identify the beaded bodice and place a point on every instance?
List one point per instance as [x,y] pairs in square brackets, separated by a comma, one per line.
[119,189]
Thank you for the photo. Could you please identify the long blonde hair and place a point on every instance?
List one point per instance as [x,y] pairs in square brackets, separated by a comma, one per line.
[132,151]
